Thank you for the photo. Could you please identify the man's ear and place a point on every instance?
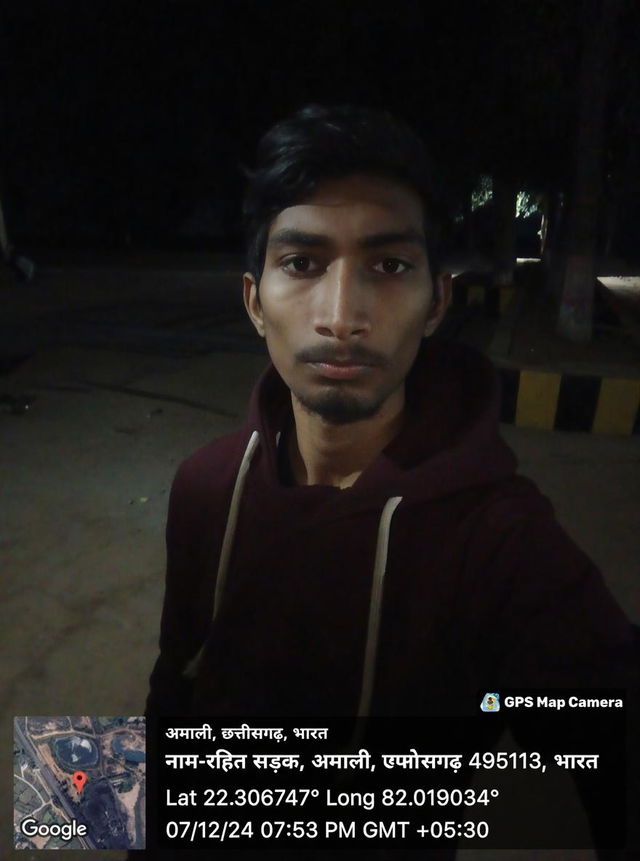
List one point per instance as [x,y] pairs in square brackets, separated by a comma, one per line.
[252,302]
[439,303]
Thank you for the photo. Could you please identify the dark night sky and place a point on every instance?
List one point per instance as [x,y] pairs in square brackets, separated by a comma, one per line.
[131,117]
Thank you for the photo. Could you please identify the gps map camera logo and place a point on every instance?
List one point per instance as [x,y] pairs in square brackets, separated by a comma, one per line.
[79,782]
[490,703]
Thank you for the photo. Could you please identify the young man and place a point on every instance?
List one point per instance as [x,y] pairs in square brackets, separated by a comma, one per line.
[363,545]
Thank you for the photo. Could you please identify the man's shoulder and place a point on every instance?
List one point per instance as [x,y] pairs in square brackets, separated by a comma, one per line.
[513,499]
[213,465]
[500,504]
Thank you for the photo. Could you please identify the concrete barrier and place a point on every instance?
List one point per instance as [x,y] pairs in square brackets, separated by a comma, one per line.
[570,402]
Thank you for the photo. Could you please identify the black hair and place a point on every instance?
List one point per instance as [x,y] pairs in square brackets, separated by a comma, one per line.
[330,142]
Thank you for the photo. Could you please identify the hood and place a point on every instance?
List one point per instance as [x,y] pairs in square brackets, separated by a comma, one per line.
[450,439]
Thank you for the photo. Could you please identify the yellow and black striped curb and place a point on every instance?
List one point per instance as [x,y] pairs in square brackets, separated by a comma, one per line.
[570,402]
[495,300]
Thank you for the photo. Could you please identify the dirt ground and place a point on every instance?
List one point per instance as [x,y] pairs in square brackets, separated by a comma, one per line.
[86,475]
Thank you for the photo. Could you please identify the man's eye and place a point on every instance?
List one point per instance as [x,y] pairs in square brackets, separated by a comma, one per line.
[390,266]
[299,263]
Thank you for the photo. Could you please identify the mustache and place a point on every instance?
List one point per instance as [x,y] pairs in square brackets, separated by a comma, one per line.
[355,355]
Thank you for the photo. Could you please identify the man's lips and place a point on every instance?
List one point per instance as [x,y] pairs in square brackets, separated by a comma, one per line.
[340,369]
[341,363]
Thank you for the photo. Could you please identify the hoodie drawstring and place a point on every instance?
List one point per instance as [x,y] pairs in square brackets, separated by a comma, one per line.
[227,543]
[375,605]
[379,570]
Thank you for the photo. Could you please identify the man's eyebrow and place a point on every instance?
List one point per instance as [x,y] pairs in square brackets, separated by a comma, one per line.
[411,236]
[293,236]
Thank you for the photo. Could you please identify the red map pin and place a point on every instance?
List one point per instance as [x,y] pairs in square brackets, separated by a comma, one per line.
[79,778]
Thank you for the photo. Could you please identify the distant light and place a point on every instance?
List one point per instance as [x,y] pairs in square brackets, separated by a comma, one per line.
[620,282]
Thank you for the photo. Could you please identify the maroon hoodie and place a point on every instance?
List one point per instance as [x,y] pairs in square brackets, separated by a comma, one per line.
[439,573]
[479,586]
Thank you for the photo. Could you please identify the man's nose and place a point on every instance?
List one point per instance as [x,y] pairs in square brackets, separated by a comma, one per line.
[342,309]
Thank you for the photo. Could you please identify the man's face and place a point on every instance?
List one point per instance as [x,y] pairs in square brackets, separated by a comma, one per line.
[346,296]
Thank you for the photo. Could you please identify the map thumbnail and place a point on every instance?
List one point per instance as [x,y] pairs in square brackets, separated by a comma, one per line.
[79,782]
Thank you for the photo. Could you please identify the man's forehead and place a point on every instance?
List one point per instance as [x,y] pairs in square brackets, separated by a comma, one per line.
[365,205]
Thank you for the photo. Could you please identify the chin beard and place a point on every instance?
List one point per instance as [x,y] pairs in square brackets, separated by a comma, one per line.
[339,408]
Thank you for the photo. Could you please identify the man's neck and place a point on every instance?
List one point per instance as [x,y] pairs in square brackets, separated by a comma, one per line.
[324,453]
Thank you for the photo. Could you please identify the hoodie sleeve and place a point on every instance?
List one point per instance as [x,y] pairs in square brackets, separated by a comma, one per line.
[538,610]
[555,624]
[169,692]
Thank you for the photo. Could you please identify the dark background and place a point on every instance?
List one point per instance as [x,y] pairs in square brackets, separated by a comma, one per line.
[124,123]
